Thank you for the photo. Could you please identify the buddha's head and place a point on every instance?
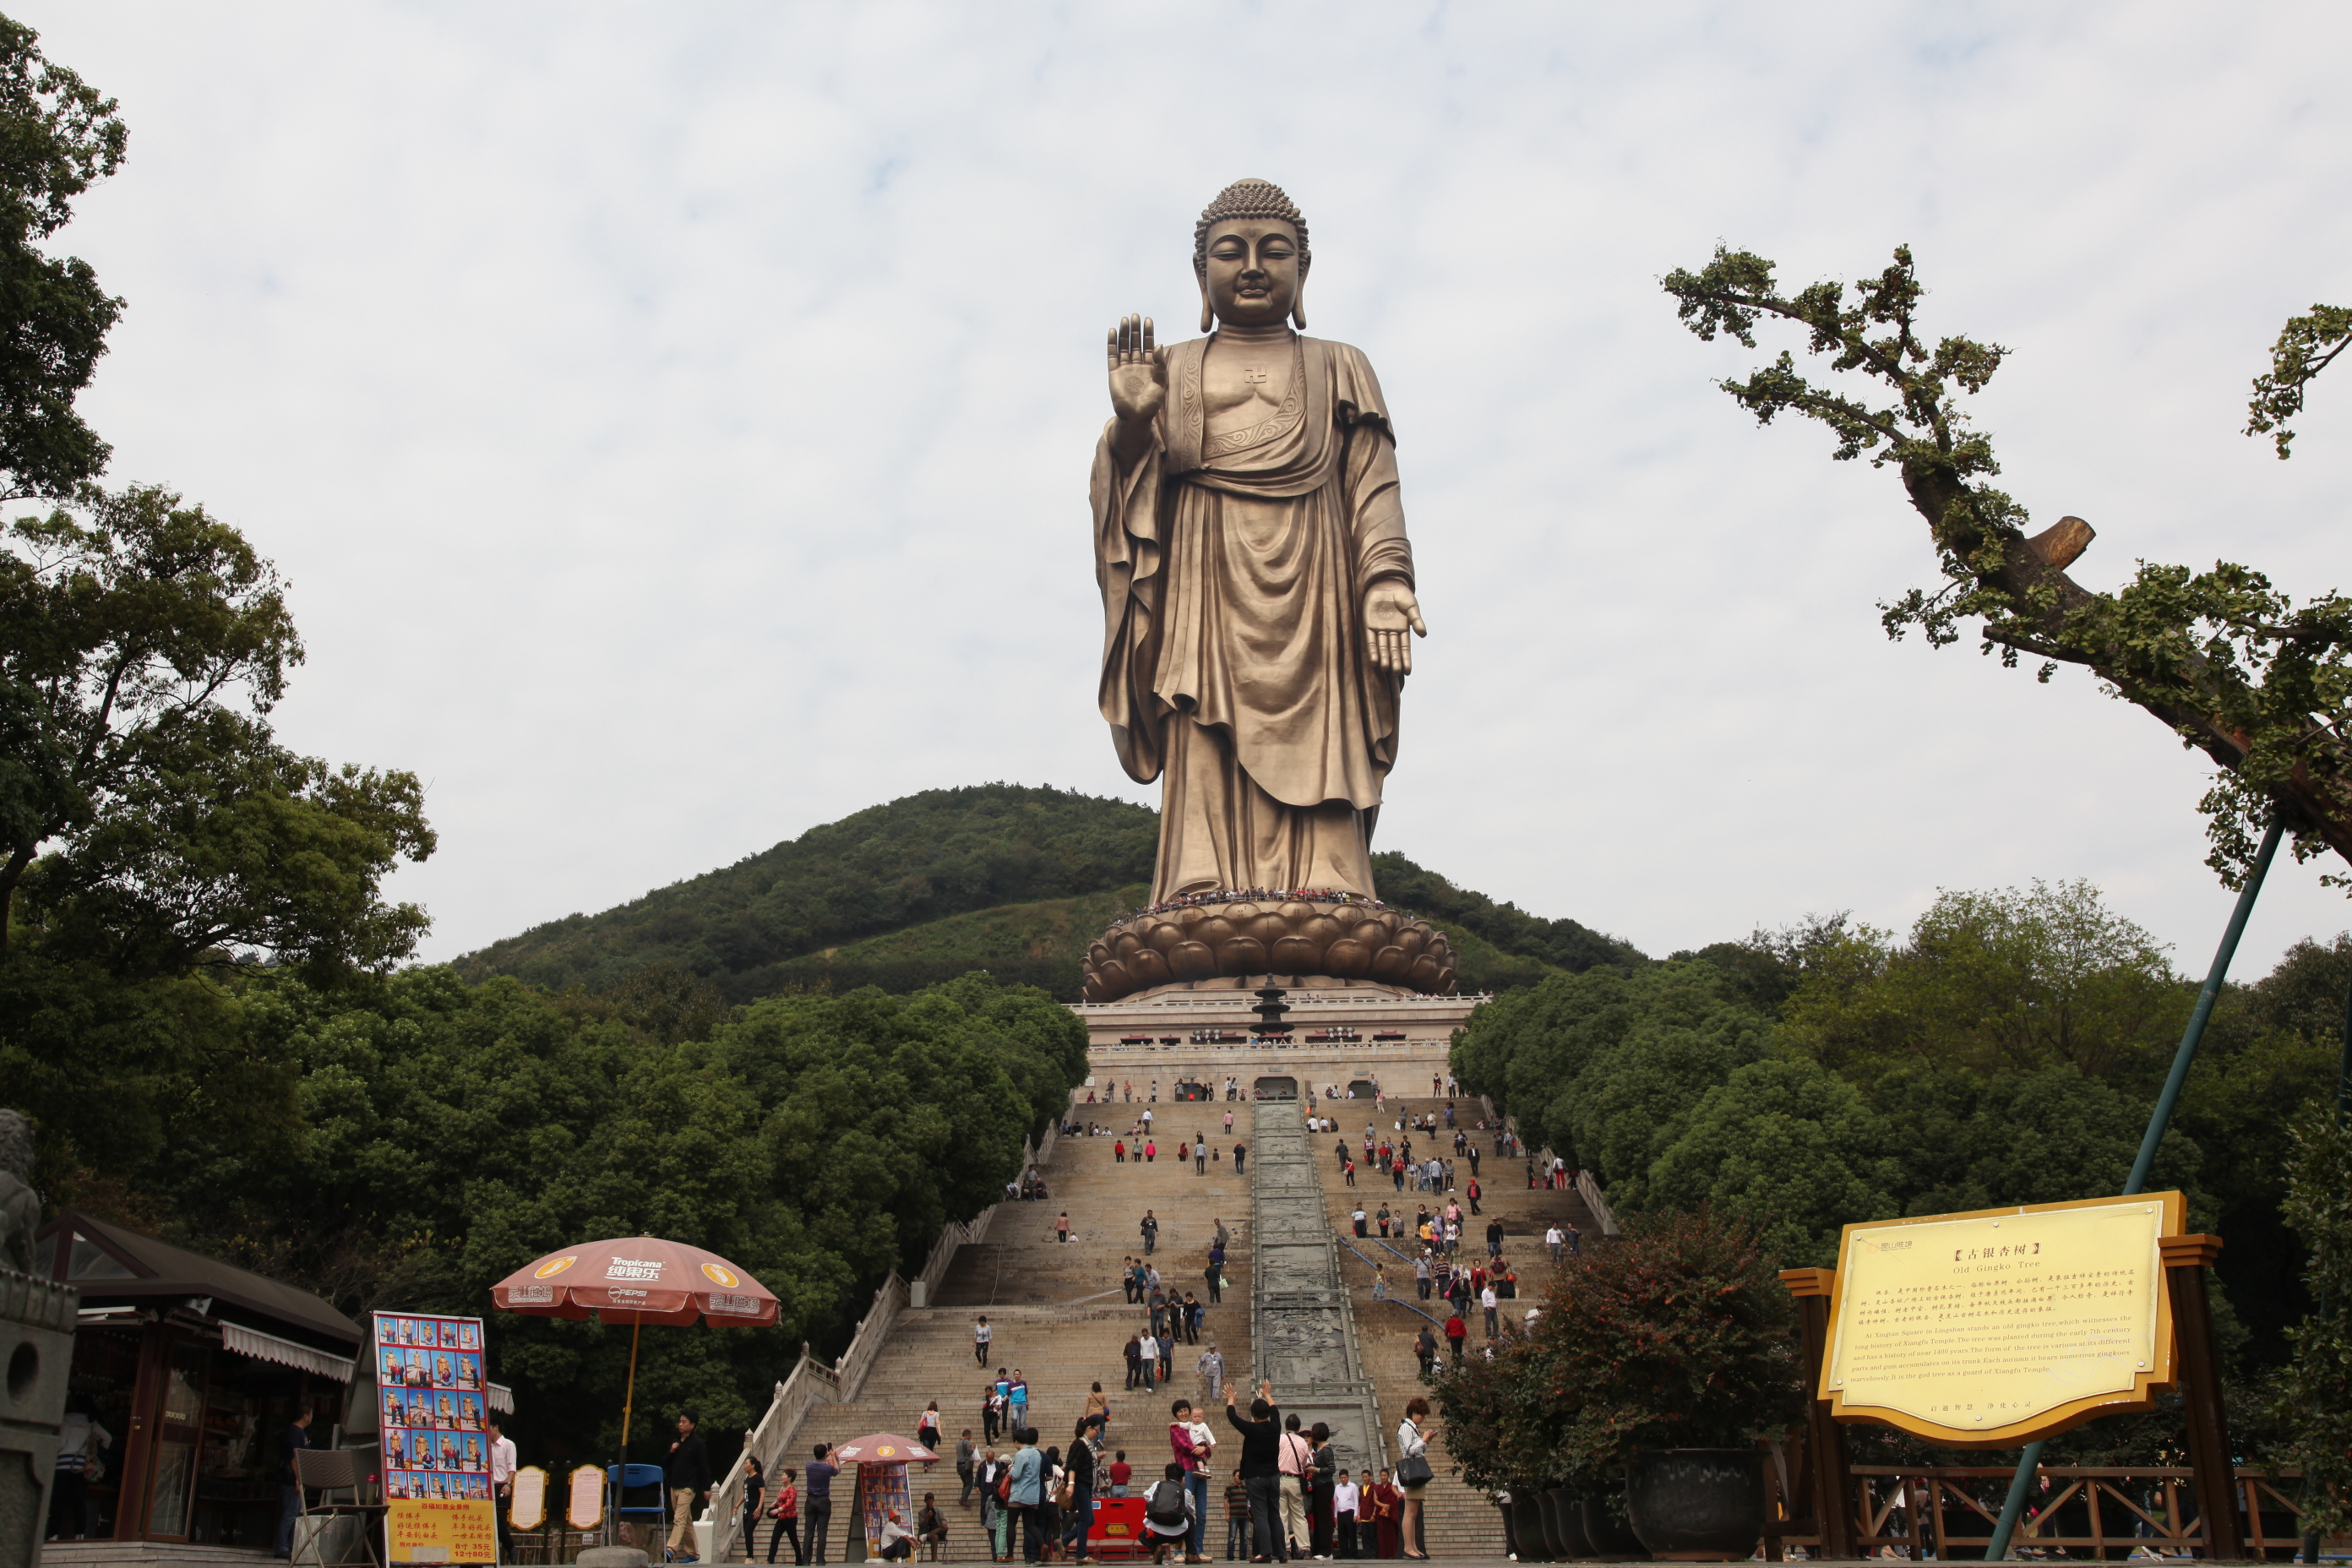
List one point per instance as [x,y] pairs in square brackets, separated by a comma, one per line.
[1250,255]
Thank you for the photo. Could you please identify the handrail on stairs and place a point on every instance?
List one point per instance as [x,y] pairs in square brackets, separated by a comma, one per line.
[1350,1243]
[811,1382]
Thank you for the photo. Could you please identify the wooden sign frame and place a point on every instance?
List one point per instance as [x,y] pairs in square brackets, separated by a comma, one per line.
[527,1507]
[1981,1263]
[583,1501]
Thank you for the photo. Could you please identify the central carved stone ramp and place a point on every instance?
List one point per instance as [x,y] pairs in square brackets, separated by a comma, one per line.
[1306,1328]
[1456,1521]
[1060,1313]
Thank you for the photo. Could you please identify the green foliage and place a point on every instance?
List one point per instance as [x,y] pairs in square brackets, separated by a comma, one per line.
[1605,1066]
[2306,345]
[1792,1148]
[57,136]
[116,1075]
[1681,1335]
[1766,970]
[150,825]
[445,1134]
[2232,666]
[1041,943]
[1562,944]
[2315,1397]
[998,877]
[2007,1052]
[2004,980]
[2270,1052]
[917,859]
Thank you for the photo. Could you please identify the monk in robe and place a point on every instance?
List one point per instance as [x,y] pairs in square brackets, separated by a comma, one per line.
[1257,584]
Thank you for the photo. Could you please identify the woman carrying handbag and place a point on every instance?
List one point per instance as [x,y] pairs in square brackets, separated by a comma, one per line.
[1412,1474]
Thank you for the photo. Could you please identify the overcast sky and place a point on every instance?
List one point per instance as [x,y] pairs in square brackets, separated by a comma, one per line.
[674,419]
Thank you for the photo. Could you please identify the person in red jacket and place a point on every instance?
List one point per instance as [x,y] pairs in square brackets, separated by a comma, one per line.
[1456,1331]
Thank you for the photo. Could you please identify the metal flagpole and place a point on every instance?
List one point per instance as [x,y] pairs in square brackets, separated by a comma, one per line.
[2022,1483]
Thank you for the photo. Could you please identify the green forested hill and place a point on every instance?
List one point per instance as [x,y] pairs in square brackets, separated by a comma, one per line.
[1005,878]
[917,859]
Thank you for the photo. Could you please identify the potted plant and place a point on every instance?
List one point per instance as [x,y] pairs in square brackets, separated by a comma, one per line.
[1657,1365]
[1492,1412]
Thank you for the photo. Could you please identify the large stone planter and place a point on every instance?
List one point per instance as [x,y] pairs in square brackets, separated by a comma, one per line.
[1523,1519]
[1697,1505]
[1549,1536]
[1567,1518]
[1289,938]
[1611,1539]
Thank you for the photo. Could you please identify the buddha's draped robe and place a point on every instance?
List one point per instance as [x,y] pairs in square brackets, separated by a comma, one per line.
[1233,570]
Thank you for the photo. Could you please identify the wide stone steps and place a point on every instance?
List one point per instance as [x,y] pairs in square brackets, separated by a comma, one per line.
[1457,1520]
[1059,1315]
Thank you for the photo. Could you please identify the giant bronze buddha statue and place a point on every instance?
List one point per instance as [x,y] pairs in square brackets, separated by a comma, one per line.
[1258,604]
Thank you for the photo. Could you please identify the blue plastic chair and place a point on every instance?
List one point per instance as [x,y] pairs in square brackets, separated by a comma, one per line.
[621,1477]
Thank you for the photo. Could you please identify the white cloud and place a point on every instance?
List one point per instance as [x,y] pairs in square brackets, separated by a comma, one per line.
[675,420]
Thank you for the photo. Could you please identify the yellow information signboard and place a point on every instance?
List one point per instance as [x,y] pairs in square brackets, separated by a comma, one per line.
[1992,1328]
[441,1529]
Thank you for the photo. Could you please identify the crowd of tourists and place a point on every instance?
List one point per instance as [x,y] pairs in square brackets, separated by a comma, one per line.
[1285,1498]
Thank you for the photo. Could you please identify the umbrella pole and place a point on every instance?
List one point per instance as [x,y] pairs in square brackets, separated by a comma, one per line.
[628,1409]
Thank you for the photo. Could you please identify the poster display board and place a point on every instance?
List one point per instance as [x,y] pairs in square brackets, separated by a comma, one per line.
[436,1464]
[1993,1328]
[881,1486]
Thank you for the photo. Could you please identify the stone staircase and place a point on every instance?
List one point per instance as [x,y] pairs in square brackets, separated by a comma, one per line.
[1059,1315]
[1456,1521]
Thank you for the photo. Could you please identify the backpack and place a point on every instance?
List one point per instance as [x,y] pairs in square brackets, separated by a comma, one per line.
[1005,1486]
[1166,1505]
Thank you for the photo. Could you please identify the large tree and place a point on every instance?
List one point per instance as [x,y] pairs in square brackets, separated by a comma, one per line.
[57,135]
[149,820]
[2234,667]
[152,821]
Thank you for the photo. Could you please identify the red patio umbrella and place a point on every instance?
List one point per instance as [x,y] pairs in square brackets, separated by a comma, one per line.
[637,1280]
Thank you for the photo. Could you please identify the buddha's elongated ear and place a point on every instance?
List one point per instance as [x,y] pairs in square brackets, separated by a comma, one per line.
[1208,315]
[1298,301]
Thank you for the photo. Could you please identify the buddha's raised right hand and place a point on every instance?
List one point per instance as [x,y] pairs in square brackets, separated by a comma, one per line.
[1138,378]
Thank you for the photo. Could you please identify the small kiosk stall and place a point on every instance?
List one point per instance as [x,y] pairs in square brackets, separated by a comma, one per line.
[187,1371]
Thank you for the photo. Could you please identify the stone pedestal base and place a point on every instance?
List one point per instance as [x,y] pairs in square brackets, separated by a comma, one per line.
[37,1325]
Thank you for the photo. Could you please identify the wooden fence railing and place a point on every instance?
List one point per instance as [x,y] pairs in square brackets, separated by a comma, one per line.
[1948,1512]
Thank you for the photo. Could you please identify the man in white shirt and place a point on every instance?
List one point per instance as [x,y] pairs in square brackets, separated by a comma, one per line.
[502,1469]
[897,1541]
[1487,1298]
[1555,1240]
[1345,1496]
[79,1440]
[1148,1348]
